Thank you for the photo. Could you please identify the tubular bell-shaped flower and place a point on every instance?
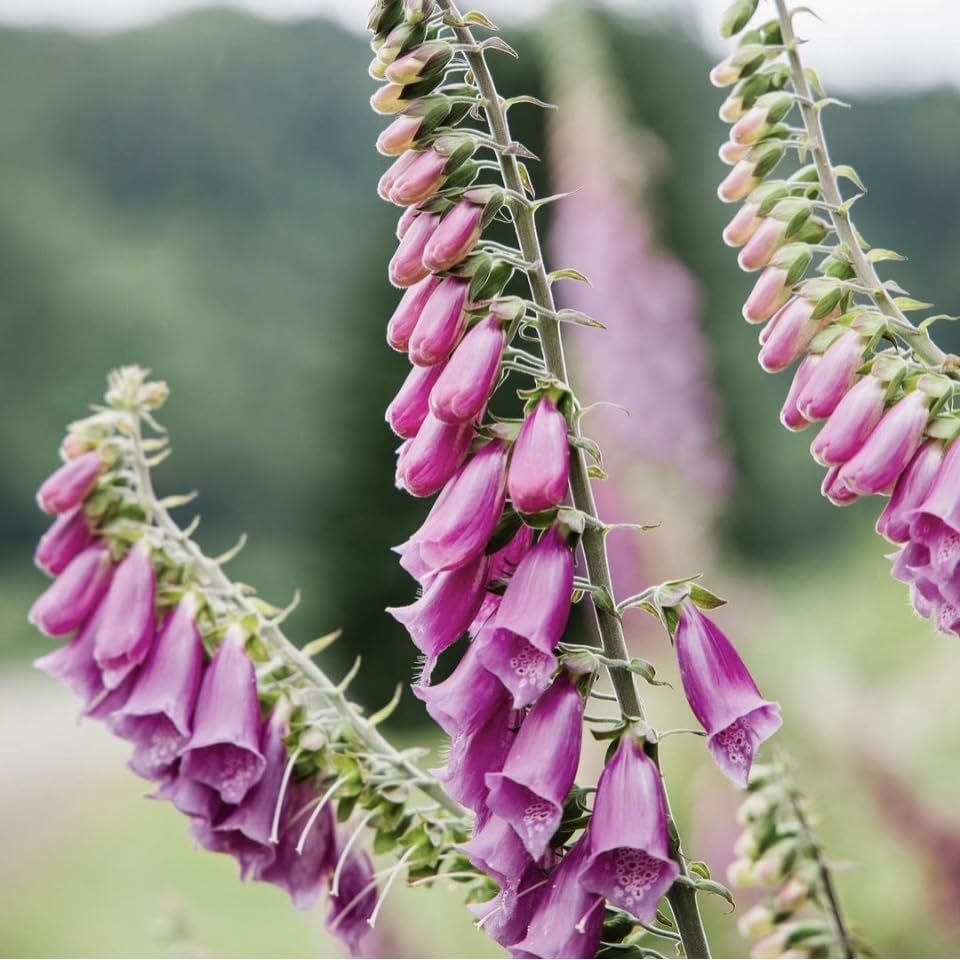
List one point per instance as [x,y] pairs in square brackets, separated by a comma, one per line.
[432,457]
[67,536]
[441,323]
[722,694]
[75,594]
[67,487]
[628,861]
[412,403]
[912,487]
[538,773]
[540,466]
[464,387]
[224,749]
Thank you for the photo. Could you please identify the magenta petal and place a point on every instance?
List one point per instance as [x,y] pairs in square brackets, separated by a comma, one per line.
[410,406]
[67,487]
[75,594]
[722,694]
[629,862]
[441,323]
[466,699]
[912,487]
[407,266]
[157,716]
[125,632]
[850,423]
[456,236]
[788,334]
[942,503]
[496,849]
[405,317]
[432,457]
[191,798]
[565,908]
[354,902]
[224,750]
[538,773]
[463,390]
[73,664]
[540,465]
[832,378]
[507,917]
[67,536]
[250,855]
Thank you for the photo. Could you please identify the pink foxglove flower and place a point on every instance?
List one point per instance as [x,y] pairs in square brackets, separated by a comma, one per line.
[935,524]
[466,699]
[353,904]
[68,486]
[469,377]
[395,170]
[456,236]
[568,921]
[850,423]
[75,594]
[913,485]
[399,135]
[73,665]
[473,755]
[412,403]
[125,631]
[628,862]
[538,773]
[67,536]
[790,415]
[157,716]
[407,267]
[464,516]
[420,179]
[762,245]
[224,750]
[432,457]
[834,377]
[789,334]
[742,226]
[448,605]
[401,325]
[497,850]
[441,323]
[769,294]
[540,465]
[722,694]
[885,454]
[518,644]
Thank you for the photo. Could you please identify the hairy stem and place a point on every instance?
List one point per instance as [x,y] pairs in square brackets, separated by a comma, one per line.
[682,898]
[921,343]
[271,633]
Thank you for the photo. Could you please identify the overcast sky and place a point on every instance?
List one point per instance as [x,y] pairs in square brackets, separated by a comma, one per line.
[863,44]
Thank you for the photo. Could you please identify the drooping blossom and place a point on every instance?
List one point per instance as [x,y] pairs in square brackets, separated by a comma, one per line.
[68,486]
[462,390]
[67,536]
[76,592]
[540,465]
[722,694]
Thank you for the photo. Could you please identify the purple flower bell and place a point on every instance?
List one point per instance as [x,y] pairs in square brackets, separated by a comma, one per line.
[224,750]
[496,849]
[75,594]
[441,323]
[464,516]
[540,465]
[568,920]
[411,405]
[913,485]
[539,771]
[68,486]
[73,664]
[722,694]
[354,902]
[456,236]
[126,630]
[448,605]
[463,390]
[404,320]
[67,536]
[518,644]
[433,456]
[833,377]
[157,716]
[629,862]
[851,422]
[935,524]
[406,266]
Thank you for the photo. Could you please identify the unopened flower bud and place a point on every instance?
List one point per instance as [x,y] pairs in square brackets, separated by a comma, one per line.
[762,245]
[68,535]
[740,874]
[68,486]
[422,63]
[383,16]
[833,378]
[441,323]
[775,862]
[401,325]
[415,11]
[406,221]
[410,406]
[732,109]
[835,490]
[790,415]
[399,136]
[420,179]
[751,127]
[75,594]
[732,153]
[793,894]
[407,266]
[738,183]
[788,334]
[769,294]
[742,227]
[850,423]
[736,17]
[757,922]
[455,237]
[540,466]
[388,99]
[403,38]
[911,489]
[432,457]
[747,845]
[394,171]
[468,379]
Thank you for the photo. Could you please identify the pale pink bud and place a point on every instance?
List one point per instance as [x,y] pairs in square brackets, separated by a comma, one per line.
[835,489]
[419,180]
[790,415]
[890,447]
[441,323]
[724,74]
[467,381]
[396,169]
[411,404]
[399,136]
[762,245]
[540,465]
[405,317]
[850,423]
[68,486]
[751,127]
[833,378]
[432,457]
[69,534]
[407,266]
[742,227]
[731,109]
[388,99]
[732,153]
[739,182]
[405,221]
[456,236]
[788,334]
[769,294]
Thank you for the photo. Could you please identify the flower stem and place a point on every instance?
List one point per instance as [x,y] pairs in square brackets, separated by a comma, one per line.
[211,572]
[682,898]
[925,349]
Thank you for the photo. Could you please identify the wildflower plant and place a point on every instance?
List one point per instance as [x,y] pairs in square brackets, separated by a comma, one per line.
[886,391]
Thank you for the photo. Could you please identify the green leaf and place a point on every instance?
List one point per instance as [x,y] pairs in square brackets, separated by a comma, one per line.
[699,868]
[908,303]
[879,253]
[477,19]
[717,889]
[846,171]
[645,669]
[568,273]
[813,78]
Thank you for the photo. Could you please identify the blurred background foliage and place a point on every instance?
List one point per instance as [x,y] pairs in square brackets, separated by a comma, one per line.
[198,197]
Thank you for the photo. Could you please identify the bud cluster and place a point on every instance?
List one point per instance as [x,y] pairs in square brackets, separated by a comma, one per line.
[495,558]
[884,390]
[800,913]
[234,726]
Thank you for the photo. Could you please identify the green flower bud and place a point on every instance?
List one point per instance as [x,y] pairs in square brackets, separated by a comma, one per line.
[384,15]
[736,17]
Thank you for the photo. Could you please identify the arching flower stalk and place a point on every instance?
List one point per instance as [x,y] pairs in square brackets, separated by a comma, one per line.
[232,723]
[496,557]
[886,391]
[778,851]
